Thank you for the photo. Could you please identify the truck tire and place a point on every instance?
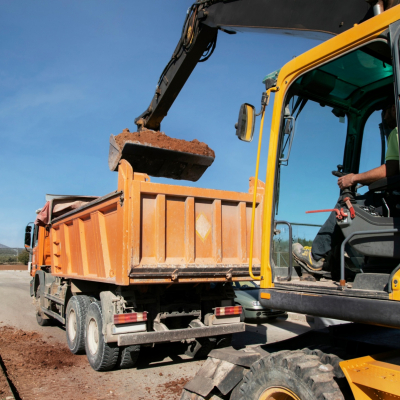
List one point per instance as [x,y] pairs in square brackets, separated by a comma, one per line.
[290,375]
[102,356]
[128,356]
[41,319]
[75,318]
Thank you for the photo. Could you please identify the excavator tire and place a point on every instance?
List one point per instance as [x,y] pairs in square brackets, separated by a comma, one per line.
[332,355]
[292,375]
[327,358]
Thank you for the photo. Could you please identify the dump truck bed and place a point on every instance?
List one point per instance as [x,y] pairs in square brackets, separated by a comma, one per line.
[156,233]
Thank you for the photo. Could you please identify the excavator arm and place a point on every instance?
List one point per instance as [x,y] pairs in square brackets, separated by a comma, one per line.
[310,18]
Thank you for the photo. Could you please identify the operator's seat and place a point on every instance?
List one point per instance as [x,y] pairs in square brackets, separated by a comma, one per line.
[368,218]
[387,183]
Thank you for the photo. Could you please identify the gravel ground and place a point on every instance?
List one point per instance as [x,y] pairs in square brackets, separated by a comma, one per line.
[41,366]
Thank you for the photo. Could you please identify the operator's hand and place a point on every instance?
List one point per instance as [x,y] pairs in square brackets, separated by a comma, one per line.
[346,181]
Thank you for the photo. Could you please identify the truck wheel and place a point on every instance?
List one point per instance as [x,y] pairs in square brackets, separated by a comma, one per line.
[102,356]
[41,319]
[75,318]
[290,375]
[128,356]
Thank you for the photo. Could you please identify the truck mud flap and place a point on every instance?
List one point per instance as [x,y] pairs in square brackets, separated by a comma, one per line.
[179,334]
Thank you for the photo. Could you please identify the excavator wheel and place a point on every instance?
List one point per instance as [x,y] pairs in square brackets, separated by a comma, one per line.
[290,375]
[332,355]
[327,358]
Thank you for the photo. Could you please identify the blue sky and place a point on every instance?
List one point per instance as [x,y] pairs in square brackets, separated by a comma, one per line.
[73,72]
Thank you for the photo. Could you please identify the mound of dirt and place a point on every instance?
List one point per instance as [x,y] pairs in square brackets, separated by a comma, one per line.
[42,355]
[5,391]
[161,140]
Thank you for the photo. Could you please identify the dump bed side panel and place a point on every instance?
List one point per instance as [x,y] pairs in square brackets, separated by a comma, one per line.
[84,245]
[195,230]
[193,234]
[155,233]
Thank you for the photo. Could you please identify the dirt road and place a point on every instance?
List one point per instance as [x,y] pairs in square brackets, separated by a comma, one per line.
[40,366]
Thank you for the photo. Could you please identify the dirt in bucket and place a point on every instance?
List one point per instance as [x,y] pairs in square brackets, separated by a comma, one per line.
[161,140]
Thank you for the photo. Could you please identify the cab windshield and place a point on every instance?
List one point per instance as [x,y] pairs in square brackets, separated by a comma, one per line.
[332,120]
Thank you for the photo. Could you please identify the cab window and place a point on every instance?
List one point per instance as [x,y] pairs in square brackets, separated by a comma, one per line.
[330,122]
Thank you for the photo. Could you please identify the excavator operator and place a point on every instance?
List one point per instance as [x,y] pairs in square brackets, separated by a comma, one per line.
[314,258]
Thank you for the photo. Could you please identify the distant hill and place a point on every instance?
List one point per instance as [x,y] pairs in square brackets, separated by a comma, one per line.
[2,246]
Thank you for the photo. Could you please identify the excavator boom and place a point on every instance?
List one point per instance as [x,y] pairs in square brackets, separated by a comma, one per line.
[309,18]
[315,19]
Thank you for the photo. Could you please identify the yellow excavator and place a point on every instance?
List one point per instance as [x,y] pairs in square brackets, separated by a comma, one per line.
[327,104]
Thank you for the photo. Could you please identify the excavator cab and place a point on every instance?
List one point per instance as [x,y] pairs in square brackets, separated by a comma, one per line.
[331,124]
[343,96]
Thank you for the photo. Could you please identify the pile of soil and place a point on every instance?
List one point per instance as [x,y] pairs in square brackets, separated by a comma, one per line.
[5,391]
[45,369]
[161,140]
[43,355]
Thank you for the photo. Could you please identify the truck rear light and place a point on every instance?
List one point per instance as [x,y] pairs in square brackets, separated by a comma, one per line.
[129,318]
[221,311]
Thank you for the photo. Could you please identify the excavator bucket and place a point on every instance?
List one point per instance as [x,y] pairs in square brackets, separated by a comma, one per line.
[159,162]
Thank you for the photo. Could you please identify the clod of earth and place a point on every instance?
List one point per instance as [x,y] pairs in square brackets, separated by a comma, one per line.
[161,140]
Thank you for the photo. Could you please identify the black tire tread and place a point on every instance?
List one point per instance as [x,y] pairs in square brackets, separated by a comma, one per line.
[110,351]
[327,358]
[308,369]
[128,356]
[83,303]
[42,321]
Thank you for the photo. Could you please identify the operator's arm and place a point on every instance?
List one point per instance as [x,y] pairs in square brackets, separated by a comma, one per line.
[389,169]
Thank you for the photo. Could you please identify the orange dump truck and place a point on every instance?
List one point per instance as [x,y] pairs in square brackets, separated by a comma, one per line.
[145,264]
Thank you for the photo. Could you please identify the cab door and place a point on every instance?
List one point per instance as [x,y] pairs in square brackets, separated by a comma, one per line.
[394,31]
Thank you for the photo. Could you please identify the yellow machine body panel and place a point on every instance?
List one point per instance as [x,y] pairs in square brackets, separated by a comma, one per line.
[376,377]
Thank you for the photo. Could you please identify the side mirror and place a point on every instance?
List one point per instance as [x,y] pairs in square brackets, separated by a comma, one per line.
[28,236]
[246,122]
